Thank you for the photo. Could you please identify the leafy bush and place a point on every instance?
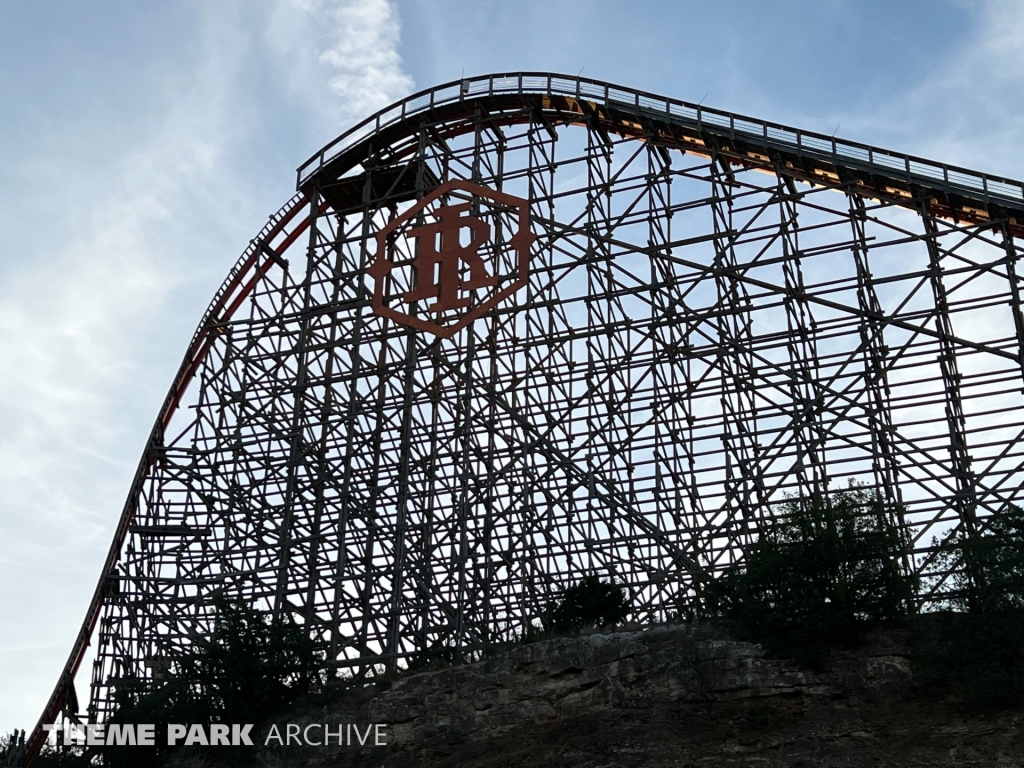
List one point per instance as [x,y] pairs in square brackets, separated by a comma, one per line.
[588,603]
[249,669]
[978,650]
[437,656]
[58,757]
[8,744]
[829,568]
[987,567]
[49,756]
[591,602]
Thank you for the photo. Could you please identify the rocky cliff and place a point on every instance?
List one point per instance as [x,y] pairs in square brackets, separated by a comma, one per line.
[666,696]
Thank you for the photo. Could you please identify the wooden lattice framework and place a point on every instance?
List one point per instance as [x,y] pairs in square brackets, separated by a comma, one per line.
[719,312]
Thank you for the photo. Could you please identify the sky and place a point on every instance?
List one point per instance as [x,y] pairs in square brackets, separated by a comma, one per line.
[143,144]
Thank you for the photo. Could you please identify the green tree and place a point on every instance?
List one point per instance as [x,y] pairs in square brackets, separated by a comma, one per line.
[988,566]
[830,567]
[49,756]
[978,649]
[590,602]
[438,655]
[249,669]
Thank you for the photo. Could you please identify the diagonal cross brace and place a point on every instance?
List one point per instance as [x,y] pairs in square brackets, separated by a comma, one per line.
[610,495]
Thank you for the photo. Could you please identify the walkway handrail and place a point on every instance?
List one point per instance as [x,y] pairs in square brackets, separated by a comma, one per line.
[909,169]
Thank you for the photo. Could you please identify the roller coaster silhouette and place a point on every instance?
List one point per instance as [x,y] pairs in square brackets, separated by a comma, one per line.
[521,328]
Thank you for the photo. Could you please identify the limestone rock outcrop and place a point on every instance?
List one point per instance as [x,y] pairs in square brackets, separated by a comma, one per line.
[663,696]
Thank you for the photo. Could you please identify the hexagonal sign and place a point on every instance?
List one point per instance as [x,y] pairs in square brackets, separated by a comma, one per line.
[451,257]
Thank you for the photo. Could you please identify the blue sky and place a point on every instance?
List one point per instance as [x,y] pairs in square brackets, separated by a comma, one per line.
[143,144]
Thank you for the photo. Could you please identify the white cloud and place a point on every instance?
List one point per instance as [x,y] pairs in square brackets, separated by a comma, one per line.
[103,285]
[341,57]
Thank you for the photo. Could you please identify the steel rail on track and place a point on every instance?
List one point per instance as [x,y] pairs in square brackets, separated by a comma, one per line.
[903,169]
